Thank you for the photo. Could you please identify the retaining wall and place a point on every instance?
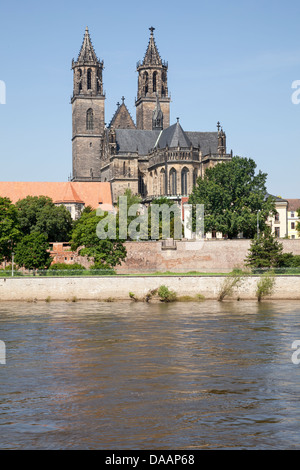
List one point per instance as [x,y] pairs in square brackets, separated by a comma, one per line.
[118,288]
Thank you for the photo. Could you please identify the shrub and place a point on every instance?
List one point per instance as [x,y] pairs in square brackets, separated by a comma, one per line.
[265,285]
[166,295]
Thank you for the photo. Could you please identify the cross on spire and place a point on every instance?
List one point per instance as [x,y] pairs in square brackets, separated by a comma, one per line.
[218,126]
[152,29]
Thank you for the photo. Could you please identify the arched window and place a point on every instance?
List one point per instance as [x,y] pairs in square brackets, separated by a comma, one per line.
[124,168]
[89,120]
[162,182]
[80,80]
[145,84]
[184,176]
[154,81]
[195,176]
[89,79]
[173,182]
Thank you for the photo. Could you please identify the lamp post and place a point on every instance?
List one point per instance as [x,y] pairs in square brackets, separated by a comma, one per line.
[12,263]
[257,224]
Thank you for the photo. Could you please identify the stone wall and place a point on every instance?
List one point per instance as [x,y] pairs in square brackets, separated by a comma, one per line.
[207,256]
[117,288]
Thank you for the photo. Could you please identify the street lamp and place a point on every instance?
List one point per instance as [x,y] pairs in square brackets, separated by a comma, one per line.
[258,223]
[12,263]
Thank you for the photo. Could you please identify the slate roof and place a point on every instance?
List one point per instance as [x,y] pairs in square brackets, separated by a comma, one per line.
[133,140]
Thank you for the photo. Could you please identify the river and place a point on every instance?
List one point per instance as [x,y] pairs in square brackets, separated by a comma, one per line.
[207,375]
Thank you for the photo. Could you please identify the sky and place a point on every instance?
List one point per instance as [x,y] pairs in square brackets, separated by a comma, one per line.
[233,62]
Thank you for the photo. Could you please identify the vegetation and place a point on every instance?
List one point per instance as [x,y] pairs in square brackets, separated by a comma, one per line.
[106,253]
[32,252]
[231,282]
[265,285]
[10,231]
[232,196]
[38,214]
[165,294]
[265,251]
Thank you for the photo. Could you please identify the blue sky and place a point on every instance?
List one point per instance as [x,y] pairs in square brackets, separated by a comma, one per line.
[232,62]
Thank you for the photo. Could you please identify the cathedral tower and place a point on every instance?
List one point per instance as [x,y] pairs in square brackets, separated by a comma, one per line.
[87,113]
[152,88]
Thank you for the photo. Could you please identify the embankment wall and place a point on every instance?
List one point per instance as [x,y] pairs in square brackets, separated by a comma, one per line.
[118,288]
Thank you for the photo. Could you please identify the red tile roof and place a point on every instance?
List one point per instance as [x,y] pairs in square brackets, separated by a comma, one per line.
[294,204]
[92,194]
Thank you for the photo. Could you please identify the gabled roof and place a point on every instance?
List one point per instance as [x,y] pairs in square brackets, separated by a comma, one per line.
[122,118]
[87,53]
[173,136]
[92,194]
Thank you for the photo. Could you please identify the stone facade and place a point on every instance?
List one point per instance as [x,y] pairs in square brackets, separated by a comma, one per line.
[151,157]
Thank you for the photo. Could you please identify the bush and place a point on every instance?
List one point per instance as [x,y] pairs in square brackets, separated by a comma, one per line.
[166,295]
[265,285]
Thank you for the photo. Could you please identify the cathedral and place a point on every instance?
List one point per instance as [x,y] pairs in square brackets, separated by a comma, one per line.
[151,156]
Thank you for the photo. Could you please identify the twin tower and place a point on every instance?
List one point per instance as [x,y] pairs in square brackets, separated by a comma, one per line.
[89,129]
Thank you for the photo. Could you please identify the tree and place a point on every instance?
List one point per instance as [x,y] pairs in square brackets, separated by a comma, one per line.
[10,232]
[107,252]
[40,214]
[32,252]
[265,251]
[232,196]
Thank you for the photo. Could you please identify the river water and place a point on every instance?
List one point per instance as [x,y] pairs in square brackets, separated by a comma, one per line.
[207,375]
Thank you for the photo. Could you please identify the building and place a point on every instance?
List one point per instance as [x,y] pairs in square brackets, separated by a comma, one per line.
[150,156]
[293,218]
[73,195]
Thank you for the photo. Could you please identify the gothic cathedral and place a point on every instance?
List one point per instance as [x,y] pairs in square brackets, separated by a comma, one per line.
[150,156]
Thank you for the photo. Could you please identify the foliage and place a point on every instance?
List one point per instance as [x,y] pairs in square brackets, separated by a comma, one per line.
[106,253]
[40,214]
[232,196]
[165,294]
[265,285]
[10,231]
[66,267]
[265,251]
[233,280]
[32,252]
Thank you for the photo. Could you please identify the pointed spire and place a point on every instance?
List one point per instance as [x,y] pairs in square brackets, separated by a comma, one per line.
[157,118]
[152,56]
[87,52]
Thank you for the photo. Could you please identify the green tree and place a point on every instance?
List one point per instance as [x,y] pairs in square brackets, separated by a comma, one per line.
[265,251]
[107,252]
[232,195]
[40,214]
[10,231]
[32,252]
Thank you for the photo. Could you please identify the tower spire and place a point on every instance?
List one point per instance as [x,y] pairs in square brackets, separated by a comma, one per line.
[87,53]
[152,56]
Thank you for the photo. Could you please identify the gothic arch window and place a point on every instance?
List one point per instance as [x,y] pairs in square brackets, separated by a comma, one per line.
[154,81]
[162,182]
[195,176]
[89,120]
[80,80]
[184,181]
[124,168]
[89,79]
[173,182]
[145,82]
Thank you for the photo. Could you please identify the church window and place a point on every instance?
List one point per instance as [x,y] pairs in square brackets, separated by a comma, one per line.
[145,85]
[89,79]
[124,169]
[154,81]
[89,120]
[184,175]
[173,182]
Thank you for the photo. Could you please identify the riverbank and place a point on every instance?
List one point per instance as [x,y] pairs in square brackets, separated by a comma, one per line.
[115,288]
